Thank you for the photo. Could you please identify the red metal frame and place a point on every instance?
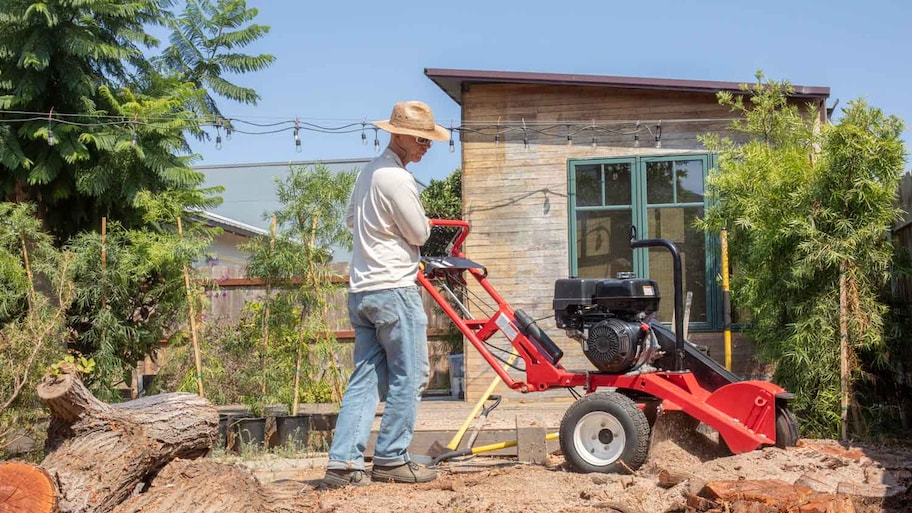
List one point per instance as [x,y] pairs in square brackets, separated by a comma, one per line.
[743,412]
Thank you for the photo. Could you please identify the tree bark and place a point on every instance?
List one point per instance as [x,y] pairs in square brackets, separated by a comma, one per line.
[101,454]
[26,488]
[203,486]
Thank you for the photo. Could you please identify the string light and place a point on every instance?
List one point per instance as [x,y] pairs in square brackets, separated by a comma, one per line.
[297,138]
[498,130]
[51,139]
[218,133]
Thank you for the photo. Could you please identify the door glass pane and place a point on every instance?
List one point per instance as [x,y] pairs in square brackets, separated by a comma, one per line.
[689,180]
[604,243]
[589,185]
[658,182]
[617,184]
[676,225]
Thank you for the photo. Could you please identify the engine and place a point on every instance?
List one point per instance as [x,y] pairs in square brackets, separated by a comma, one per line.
[609,317]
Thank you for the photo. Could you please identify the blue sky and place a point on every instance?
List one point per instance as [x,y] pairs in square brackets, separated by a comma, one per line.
[343,62]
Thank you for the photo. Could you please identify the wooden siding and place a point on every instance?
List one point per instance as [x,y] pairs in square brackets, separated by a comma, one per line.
[515,198]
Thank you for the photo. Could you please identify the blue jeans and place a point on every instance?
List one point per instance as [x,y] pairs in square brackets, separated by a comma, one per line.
[391,363]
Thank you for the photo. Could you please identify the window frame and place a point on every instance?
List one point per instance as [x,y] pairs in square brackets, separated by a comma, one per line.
[639,215]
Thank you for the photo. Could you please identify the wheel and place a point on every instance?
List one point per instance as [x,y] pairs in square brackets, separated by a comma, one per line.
[604,432]
[786,427]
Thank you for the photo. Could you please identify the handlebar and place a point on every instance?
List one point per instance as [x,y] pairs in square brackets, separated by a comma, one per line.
[464,229]
[678,288]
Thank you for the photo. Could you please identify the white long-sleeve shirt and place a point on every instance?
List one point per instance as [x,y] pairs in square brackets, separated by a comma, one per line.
[389,226]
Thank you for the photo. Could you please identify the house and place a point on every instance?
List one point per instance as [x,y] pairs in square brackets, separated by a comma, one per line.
[556,168]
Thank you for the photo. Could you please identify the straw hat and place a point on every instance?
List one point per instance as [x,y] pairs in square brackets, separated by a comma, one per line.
[413,118]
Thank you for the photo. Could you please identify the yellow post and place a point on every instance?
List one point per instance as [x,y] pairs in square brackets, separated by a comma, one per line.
[192,310]
[726,301]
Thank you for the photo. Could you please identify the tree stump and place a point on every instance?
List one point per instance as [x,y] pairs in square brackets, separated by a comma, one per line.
[26,488]
[101,454]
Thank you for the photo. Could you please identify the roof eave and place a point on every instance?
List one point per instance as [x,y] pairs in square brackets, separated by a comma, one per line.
[453,82]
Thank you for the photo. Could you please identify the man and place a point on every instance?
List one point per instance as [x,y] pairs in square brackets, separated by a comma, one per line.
[385,308]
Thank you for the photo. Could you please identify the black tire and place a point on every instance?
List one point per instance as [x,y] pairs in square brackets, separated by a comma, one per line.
[604,432]
[786,427]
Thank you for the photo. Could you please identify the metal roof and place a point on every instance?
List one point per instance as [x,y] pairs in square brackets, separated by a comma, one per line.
[454,82]
[231,225]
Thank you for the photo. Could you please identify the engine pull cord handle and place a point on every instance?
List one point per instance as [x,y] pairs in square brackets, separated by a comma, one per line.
[678,287]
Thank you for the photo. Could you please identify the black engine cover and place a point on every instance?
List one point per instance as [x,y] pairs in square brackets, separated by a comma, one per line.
[613,345]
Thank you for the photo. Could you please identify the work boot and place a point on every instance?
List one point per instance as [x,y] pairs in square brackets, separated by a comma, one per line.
[337,478]
[408,472]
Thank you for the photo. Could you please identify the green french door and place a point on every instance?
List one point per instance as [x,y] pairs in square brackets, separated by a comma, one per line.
[661,197]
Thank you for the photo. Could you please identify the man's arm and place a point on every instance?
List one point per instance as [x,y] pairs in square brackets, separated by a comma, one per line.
[409,214]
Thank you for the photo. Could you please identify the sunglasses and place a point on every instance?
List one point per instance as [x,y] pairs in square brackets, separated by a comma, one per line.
[423,141]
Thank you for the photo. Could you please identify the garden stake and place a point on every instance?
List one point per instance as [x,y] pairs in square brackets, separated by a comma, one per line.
[196,349]
[272,231]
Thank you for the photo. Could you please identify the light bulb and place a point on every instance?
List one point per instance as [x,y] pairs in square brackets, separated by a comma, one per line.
[496,139]
[594,142]
[636,140]
[133,139]
[363,138]
[228,133]
[376,145]
[452,145]
[218,141]
[51,139]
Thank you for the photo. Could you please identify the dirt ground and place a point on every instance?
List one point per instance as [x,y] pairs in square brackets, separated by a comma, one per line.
[872,479]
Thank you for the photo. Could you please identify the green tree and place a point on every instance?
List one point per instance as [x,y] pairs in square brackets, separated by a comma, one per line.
[77,59]
[298,356]
[34,294]
[114,124]
[806,203]
[204,44]
[313,213]
[442,199]
[130,290]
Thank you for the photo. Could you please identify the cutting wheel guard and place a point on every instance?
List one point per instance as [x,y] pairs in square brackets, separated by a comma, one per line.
[743,412]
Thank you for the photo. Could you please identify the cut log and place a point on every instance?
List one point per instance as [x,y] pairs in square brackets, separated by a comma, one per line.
[670,478]
[100,454]
[205,486]
[26,488]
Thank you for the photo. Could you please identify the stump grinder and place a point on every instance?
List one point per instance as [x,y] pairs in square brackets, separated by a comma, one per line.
[641,369]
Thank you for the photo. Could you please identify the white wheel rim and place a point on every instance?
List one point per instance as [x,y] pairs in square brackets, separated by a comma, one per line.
[599,438]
